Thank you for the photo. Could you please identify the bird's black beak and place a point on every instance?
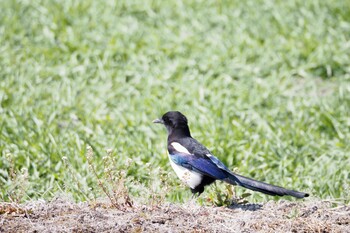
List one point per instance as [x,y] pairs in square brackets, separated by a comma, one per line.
[160,121]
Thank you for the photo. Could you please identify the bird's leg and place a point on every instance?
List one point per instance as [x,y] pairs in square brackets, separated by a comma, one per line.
[192,200]
[194,197]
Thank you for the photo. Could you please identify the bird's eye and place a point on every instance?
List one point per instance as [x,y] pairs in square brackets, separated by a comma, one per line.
[168,121]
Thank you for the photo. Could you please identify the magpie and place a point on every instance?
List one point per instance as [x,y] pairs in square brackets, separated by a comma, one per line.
[197,167]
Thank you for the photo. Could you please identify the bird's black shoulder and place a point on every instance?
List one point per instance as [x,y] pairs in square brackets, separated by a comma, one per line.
[191,145]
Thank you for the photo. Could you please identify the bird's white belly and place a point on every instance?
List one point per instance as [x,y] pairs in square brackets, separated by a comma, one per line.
[191,178]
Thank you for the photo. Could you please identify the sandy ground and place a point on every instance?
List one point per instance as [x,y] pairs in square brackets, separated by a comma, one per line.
[61,215]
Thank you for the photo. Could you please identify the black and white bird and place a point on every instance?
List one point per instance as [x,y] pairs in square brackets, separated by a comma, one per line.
[197,167]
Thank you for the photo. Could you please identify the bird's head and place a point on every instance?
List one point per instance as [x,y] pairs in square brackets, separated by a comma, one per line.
[174,120]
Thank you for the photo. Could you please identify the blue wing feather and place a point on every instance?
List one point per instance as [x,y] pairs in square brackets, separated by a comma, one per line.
[218,162]
[201,165]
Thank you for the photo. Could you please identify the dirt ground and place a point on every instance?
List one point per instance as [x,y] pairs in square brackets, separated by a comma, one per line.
[61,215]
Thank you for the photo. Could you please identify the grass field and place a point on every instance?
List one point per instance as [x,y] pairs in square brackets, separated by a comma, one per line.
[265,86]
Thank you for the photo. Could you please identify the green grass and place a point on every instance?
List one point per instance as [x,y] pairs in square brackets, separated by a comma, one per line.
[265,86]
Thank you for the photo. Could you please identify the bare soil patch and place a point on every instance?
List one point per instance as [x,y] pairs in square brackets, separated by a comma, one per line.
[61,215]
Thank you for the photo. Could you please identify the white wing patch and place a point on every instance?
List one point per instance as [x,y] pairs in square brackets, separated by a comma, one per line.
[177,146]
[191,178]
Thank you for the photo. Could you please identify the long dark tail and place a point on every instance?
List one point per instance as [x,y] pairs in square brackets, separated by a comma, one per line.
[259,186]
